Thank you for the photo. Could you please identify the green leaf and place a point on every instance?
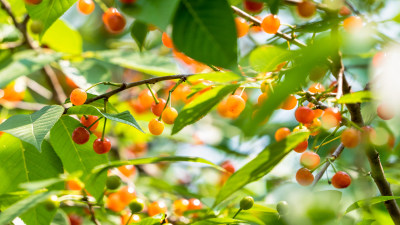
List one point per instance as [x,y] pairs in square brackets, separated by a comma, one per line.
[267,58]
[82,74]
[155,12]
[26,163]
[124,117]
[259,166]
[144,62]
[220,77]
[218,221]
[139,31]
[24,63]
[23,206]
[206,32]
[27,166]
[10,198]
[77,157]
[140,161]
[149,221]
[48,11]
[200,106]
[369,202]
[356,97]
[62,38]
[33,128]
[41,184]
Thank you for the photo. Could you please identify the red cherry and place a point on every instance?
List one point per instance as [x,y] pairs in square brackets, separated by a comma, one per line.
[304,115]
[102,146]
[304,177]
[114,21]
[228,166]
[252,6]
[301,147]
[89,121]
[80,135]
[341,180]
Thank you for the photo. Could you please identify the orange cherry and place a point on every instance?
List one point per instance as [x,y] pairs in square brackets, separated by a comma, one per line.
[310,160]
[352,24]
[282,133]
[290,103]
[156,127]
[242,27]
[304,177]
[157,207]
[114,21]
[85,6]
[270,24]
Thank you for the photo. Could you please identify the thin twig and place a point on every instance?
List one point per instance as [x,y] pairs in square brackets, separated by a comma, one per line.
[257,22]
[125,86]
[91,210]
[334,156]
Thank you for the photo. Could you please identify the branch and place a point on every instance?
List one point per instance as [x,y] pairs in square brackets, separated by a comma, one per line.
[91,210]
[125,86]
[257,22]
[352,7]
[334,156]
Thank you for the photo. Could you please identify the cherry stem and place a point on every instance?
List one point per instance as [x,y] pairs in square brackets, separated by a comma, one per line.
[333,139]
[130,217]
[169,96]
[104,83]
[330,135]
[333,166]
[152,93]
[237,213]
[105,119]
[102,5]
[91,125]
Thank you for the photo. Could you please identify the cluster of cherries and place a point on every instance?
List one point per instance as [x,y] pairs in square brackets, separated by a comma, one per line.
[271,23]
[121,197]
[81,135]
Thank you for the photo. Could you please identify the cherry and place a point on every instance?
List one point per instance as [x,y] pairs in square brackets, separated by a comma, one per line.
[80,135]
[341,180]
[262,98]
[301,147]
[290,103]
[146,98]
[316,88]
[194,204]
[78,96]
[344,11]
[86,6]
[75,219]
[282,207]
[139,149]
[235,104]
[52,203]
[114,202]
[75,185]
[228,166]
[157,108]
[352,24]
[304,177]
[310,160]
[127,170]
[246,203]
[331,118]
[317,112]
[136,205]
[113,182]
[385,112]
[242,28]
[180,206]
[306,8]
[127,1]
[304,115]
[350,137]
[156,207]
[156,127]
[101,146]
[89,121]
[137,106]
[313,127]
[36,26]
[169,115]
[270,24]
[114,21]
[33,2]
[126,194]
[282,133]
[252,6]
[166,40]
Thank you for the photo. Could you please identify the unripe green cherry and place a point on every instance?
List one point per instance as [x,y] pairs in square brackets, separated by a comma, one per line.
[282,207]
[52,203]
[36,27]
[136,205]
[246,203]
[113,182]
